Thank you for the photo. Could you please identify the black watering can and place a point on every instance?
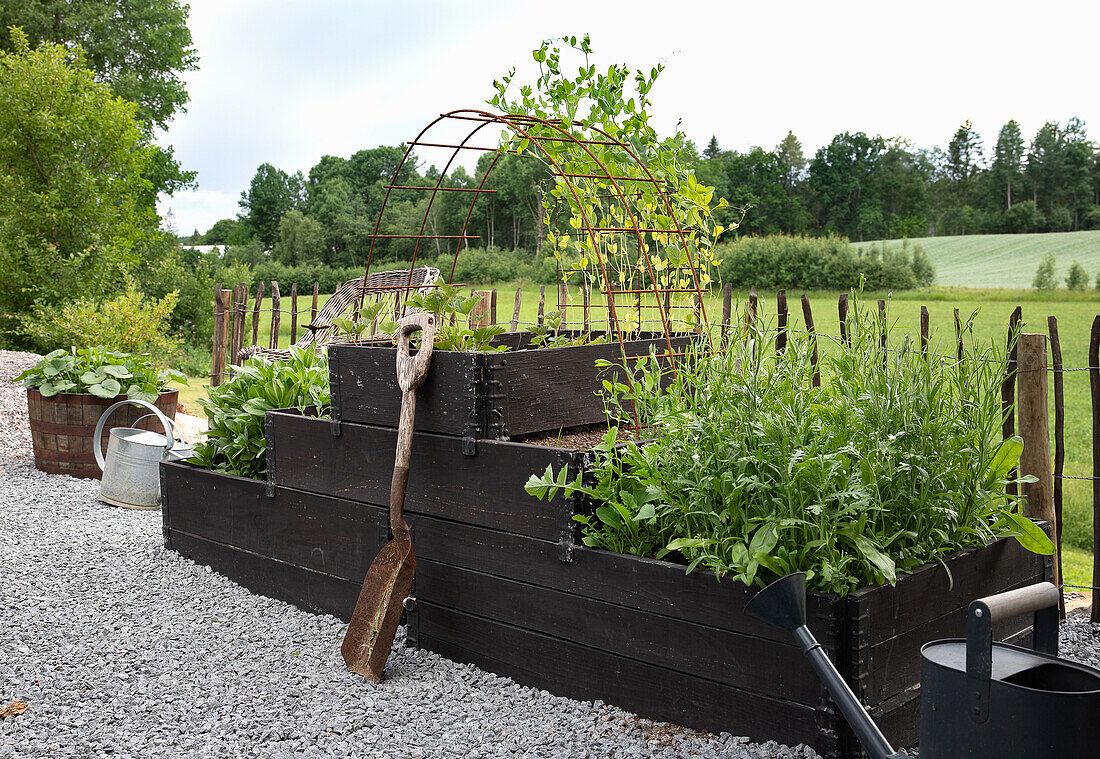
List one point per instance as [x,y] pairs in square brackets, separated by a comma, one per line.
[979,698]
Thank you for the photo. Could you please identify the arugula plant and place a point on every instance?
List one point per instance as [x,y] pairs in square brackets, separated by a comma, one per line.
[235,442]
[893,462]
[103,373]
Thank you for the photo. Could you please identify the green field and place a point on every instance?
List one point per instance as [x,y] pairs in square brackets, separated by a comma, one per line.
[1006,261]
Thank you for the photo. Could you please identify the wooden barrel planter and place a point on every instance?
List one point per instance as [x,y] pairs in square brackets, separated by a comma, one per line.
[62,427]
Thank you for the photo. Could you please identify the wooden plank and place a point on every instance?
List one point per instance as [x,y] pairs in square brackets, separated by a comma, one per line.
[580,672]
[928,592]
[312,531]
[652,586]
[493,306]
[484,489]
[542,305]
[625,631]
[554,388]
[313,308]
[308,589]
[1059,437]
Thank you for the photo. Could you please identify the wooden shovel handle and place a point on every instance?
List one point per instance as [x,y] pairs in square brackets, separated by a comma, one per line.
[411,373]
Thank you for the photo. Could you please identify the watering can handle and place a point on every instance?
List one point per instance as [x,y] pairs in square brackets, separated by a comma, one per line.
[1040,598]
[96,446]
[171,421]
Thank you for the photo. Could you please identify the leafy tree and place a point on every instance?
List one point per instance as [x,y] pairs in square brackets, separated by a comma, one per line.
[1077,279]
[301,239]
[903,190]
[138,49]
[964,159]
[270,195]
[71,185]
[1044,275]
[712,150]
[227,231]
[1046,166]
[754,181]
[843,178]
[1008,159]
[1077,163]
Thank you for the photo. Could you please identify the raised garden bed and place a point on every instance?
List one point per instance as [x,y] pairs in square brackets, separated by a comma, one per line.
[500,583]
[483,395]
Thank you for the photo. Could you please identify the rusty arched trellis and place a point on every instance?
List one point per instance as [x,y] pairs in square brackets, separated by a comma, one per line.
[581,166]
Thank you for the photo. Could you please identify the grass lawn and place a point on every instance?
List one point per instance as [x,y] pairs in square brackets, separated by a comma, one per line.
[1006,260]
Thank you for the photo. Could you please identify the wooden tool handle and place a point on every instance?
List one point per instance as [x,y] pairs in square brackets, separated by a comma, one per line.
[411,373]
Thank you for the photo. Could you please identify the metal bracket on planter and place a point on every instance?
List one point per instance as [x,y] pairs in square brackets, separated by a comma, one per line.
[165,517]
[412,618]
[475,419]
[577,503]
[494,401]
[334,387]
[269,433]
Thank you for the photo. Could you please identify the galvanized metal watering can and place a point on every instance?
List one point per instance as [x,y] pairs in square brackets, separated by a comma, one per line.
[131,472]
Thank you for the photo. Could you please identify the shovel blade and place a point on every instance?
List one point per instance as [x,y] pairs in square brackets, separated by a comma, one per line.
[370,634]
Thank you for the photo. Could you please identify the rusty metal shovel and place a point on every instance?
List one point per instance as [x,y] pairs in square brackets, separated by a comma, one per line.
[378,611]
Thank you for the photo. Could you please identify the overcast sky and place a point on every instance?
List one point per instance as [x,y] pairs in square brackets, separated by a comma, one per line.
[285,81]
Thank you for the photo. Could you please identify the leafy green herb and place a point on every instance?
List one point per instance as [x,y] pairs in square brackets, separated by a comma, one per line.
[100,372]
[892,463]
[235,442]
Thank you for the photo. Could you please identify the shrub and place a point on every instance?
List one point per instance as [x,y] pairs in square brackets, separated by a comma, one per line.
[129,323]
[1044,275]
[1092,218]
[818,263]
[190,274]
[235,442]
[1077,279]
[1060,219]
[1024,217]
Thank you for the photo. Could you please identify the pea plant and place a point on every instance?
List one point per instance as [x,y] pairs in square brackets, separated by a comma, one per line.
[893,462]
[621,175]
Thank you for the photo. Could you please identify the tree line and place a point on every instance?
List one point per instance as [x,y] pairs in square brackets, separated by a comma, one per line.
[857,186]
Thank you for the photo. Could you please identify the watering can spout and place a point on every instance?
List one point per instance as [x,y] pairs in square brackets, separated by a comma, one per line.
[783,604]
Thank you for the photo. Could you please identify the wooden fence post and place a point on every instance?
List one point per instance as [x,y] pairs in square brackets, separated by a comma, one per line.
[1035,431]
[882,330]
[221,315]
[808,314]
[515,311]
[294,313]
[586,301]
[781,308]
[479,317]
[313,308]
[1008,386]
[235,326]
[842,312]
[1094,384]
[493,306]
[1059,431]
[542,304]
[275,315]
[727,312]
[256,314]
[924,333]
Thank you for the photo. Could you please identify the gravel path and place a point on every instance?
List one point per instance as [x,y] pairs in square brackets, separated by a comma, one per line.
[120,648]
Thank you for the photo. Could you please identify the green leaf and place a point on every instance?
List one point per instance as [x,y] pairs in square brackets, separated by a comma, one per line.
[881,561]
[108,388]
[645,512]
[1029,535]
[1006,457]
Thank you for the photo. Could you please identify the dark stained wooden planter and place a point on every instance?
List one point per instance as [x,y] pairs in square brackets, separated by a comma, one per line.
[501,584]
[483,395]
[62,427]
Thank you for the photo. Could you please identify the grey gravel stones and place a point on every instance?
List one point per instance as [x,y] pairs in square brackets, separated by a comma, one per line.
[121,648]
